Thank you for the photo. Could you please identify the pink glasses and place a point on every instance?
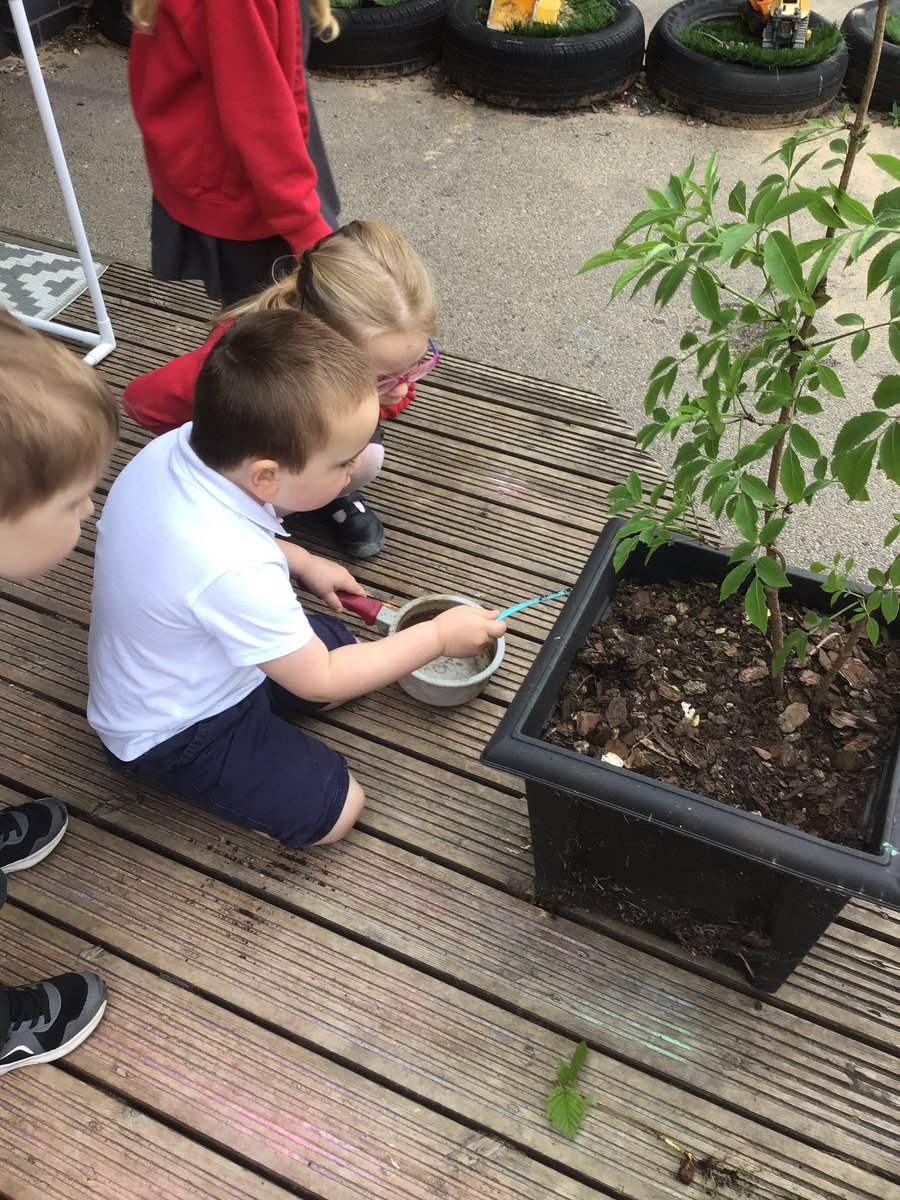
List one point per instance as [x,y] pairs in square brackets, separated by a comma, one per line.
[388,382]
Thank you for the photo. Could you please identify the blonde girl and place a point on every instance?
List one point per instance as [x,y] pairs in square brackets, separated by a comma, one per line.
[367,283]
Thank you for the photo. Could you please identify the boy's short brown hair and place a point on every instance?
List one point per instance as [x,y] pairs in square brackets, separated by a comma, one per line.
[271,387]
[58,418]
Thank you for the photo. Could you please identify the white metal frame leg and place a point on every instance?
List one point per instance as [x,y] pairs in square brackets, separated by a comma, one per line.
[104,341]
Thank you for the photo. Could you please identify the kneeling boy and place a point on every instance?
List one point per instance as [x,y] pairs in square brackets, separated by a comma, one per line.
[197,634]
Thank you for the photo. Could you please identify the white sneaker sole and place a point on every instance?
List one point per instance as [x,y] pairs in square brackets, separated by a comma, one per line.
[60,1051]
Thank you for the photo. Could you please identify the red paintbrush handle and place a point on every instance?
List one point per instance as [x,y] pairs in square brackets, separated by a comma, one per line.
[366,607]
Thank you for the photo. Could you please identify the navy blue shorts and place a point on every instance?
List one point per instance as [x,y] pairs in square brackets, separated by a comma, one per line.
[250,767]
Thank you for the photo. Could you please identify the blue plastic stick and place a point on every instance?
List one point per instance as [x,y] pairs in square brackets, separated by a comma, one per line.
[508,612]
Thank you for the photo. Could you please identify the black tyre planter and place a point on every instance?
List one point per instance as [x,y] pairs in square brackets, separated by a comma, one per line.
[610,840]
[542,73]
[113,20]
[378,42]
[858,30]
[734,93]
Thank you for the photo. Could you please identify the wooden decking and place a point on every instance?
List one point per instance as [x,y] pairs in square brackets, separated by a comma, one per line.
[379,1020]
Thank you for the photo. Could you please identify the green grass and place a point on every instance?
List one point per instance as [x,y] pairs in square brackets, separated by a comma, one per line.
[585,16]
[731,41]
[892,28]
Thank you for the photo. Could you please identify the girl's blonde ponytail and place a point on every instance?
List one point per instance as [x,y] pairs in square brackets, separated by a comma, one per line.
[143,15]
[325,27]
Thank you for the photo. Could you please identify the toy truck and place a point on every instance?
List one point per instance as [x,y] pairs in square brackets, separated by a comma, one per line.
[782,25]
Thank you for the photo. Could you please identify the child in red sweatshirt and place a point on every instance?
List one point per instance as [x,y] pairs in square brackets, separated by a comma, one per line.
[366,282]
[236,163]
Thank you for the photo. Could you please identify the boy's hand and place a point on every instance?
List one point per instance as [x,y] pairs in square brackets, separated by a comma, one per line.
[464,631]
[323,578]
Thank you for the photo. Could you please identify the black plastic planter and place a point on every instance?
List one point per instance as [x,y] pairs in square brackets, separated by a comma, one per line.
[750,891]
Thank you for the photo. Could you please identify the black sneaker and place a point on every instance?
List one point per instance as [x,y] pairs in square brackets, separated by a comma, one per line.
[28,832]
[355,528]
[50,1018]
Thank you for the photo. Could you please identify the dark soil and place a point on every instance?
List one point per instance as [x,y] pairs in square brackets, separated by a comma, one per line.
[677,686]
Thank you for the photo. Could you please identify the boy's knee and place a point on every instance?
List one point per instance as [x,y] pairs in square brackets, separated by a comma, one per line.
[353,806]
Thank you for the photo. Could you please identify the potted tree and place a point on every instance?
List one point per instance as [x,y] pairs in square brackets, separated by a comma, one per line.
[740,397]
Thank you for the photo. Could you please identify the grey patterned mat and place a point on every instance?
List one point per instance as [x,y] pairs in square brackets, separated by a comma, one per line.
[39,283]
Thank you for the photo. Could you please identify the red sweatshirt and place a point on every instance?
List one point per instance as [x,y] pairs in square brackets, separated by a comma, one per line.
[220,97]
[164,399]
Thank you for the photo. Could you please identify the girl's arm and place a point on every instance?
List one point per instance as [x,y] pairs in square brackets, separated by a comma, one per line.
[261,99]
[164,399]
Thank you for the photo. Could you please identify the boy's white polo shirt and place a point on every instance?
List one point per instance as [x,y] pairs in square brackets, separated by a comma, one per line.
[191,591]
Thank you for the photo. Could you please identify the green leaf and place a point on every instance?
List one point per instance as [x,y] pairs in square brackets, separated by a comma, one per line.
[627,275]
[890,606]
[830,381]
[823,262]
[579,1056]
[670,283]
[849,319]
[860,344]
[783,264]
[887,163]
[755,606]
[791,476]
[889,453]
[823,212]
[771,530]
[804,442]
[564,1075]
[887,394]
[796,642]
[733,238]
[633,486]
[566,1109]
[788,205]
[853,469]
[735,578]
[873,630]
[608,256]
[808,405]
[705,294]
[850,209]
[754,487]
[894,340]
[880,266]
[744,516]
[769,572]
[737,198]
[856,430]
[887,205]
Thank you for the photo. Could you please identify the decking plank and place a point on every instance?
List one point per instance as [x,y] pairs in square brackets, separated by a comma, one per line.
[493,1067]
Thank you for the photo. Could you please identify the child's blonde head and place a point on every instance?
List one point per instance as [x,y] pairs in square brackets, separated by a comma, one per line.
[362,280]
[271,387]
[58,418]
[143,18]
